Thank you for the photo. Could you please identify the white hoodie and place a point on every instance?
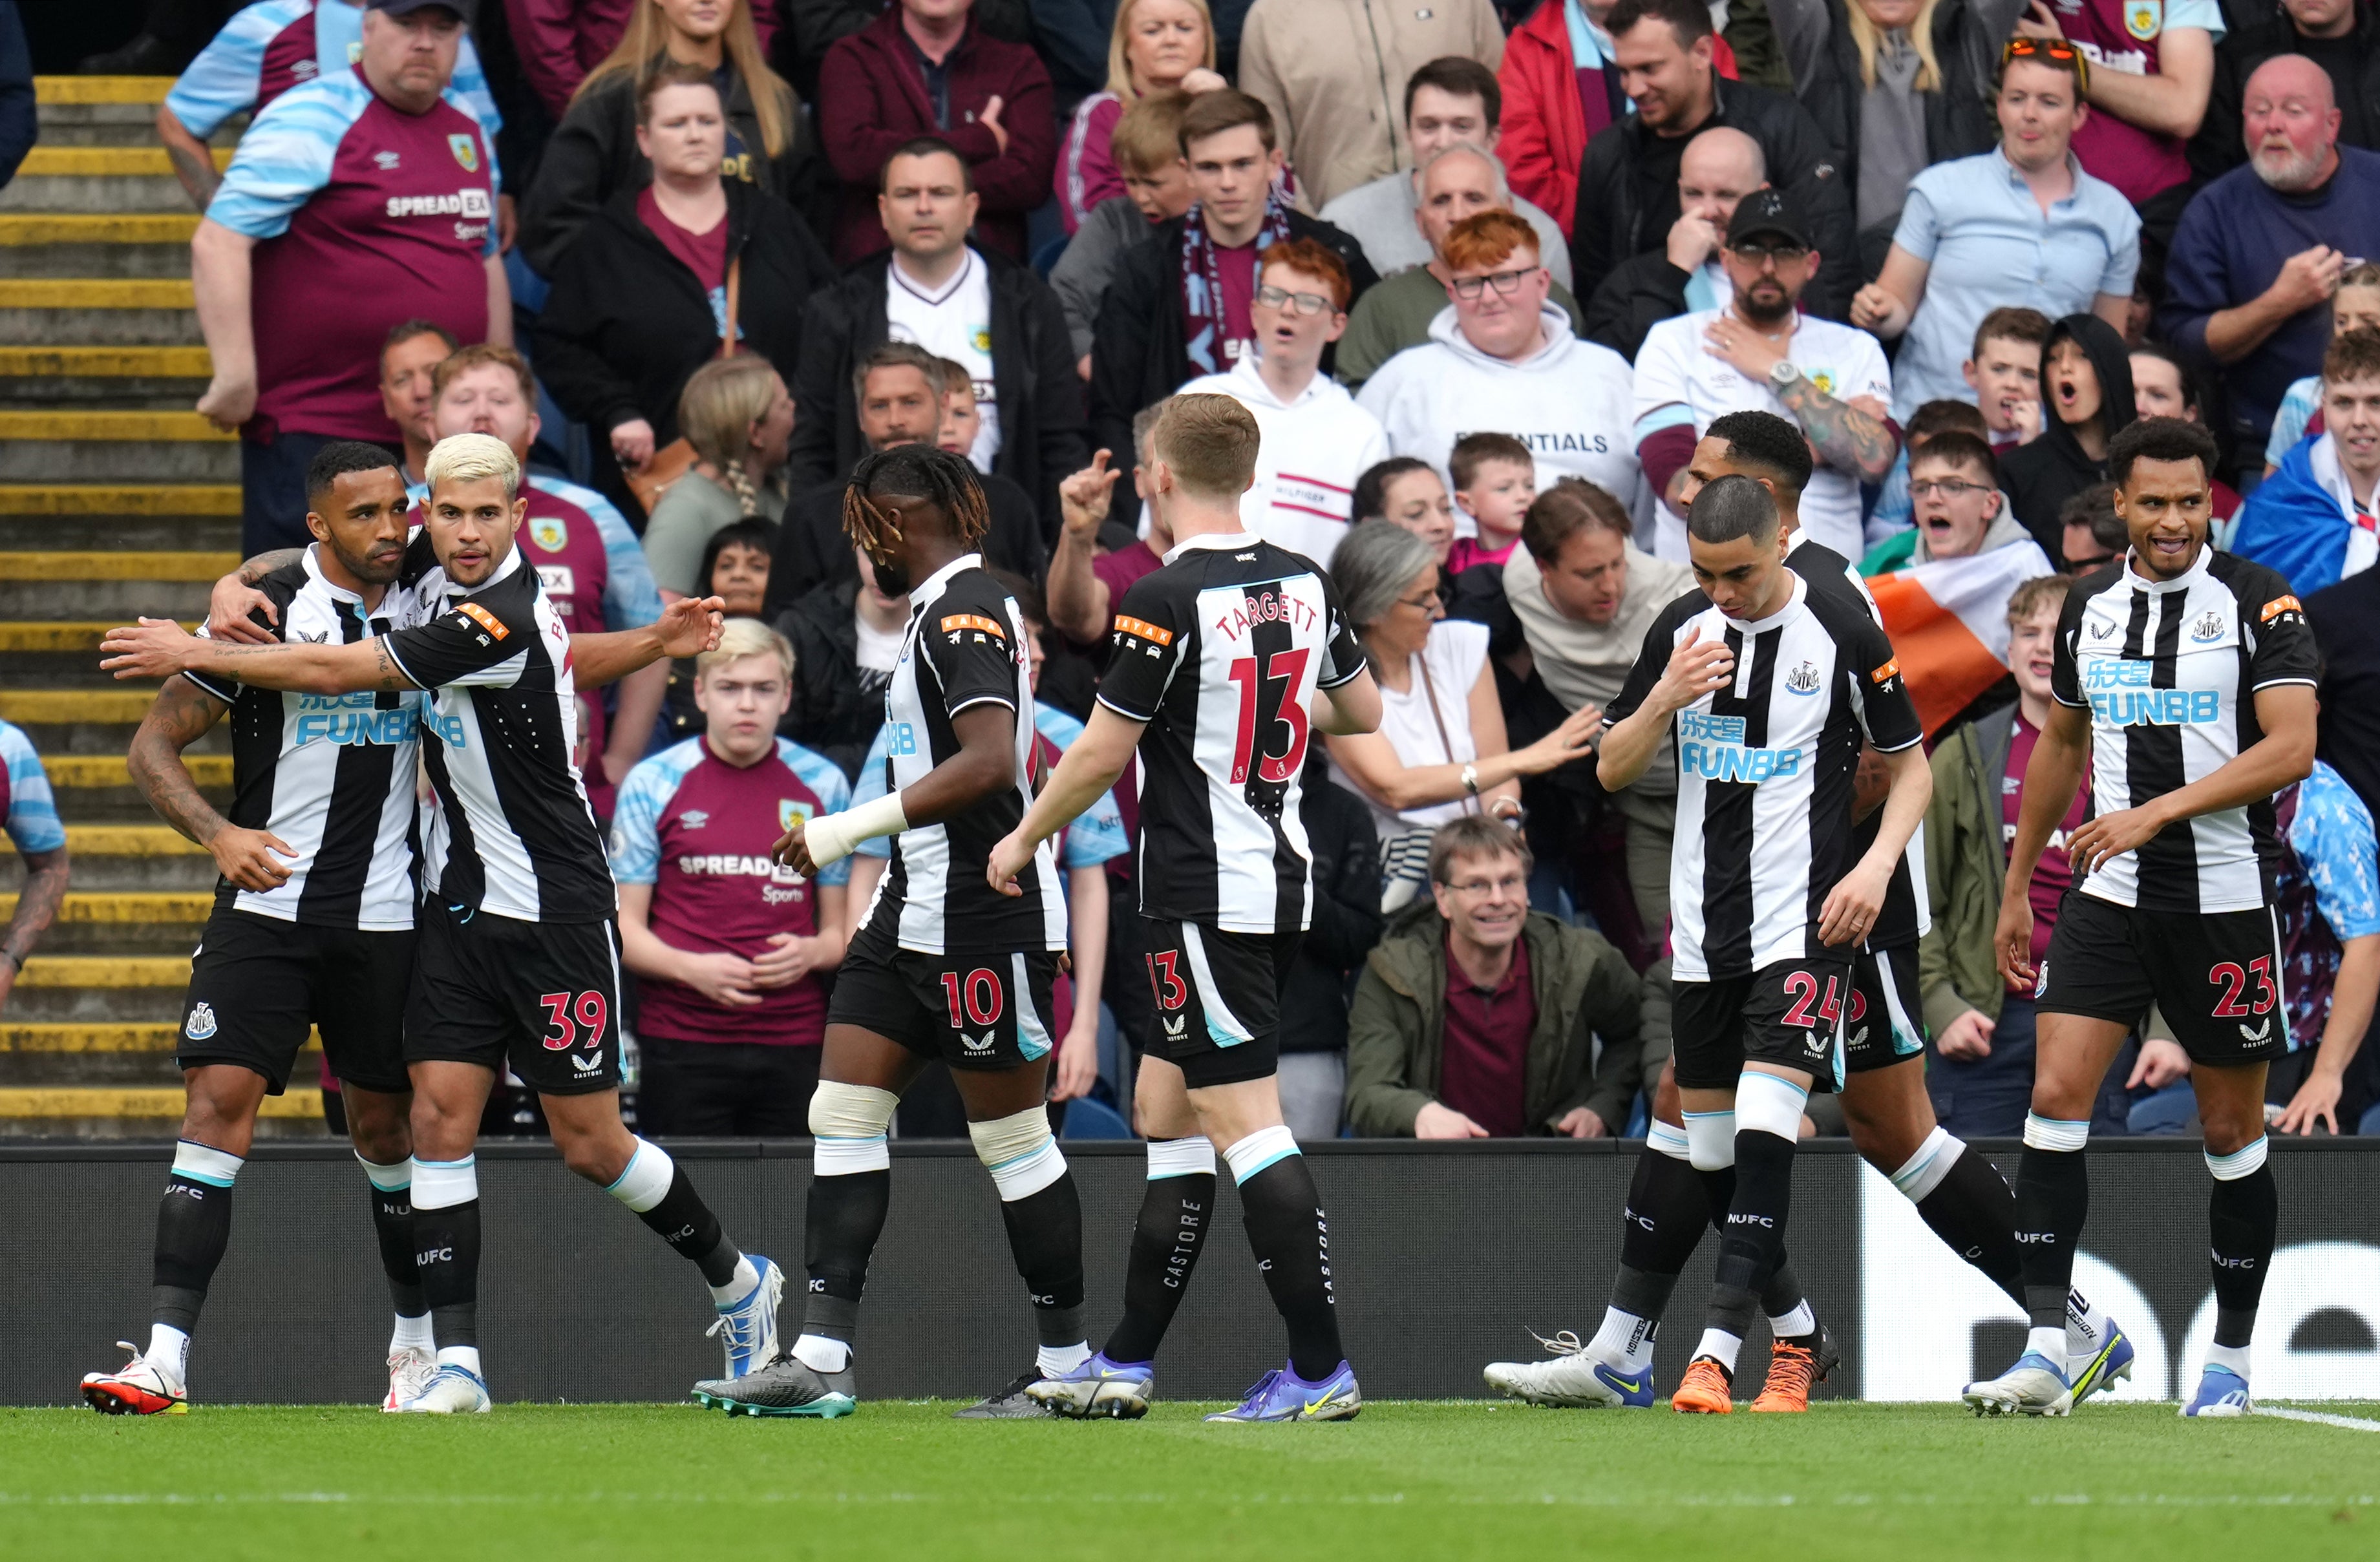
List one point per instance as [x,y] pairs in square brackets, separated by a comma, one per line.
[1312,451]
[1571,403]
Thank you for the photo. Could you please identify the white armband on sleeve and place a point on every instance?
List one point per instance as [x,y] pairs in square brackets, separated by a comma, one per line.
[832,836]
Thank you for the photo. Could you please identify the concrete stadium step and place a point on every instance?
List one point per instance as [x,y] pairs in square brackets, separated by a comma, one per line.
[133,1112]
[67,722]
[102,445]
[61,653]
[128,856]
[98,312]
[123,585]
[59,378]
[99,990]
[102,179]
[123,921]
[151,515]
[154,244]
[104,110]
[97,787]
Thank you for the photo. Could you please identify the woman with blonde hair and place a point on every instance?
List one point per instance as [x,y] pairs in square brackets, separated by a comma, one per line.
[737,417]
[1157,45]
[593,154]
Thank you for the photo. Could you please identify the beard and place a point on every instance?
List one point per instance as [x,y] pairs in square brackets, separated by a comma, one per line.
[1765,308]
[2290,171]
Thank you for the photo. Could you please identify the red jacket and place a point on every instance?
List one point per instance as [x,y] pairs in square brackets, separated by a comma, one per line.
[872,97]
[560,41]
[1544,131]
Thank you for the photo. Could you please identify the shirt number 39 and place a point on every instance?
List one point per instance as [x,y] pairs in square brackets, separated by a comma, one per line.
[589,1010]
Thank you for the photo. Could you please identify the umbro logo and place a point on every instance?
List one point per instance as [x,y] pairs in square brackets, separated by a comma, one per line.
[693,819]
[384,161]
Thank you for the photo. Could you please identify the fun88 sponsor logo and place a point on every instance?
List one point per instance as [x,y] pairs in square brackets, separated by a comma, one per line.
[2120,696]
[1712,747]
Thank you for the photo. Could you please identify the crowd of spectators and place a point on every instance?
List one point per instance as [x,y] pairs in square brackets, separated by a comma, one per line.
[1488,276]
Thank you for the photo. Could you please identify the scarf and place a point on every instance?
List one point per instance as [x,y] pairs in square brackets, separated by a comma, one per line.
[1202,281]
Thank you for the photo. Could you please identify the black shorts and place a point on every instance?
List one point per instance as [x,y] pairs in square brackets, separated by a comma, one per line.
[258,982]
[1886,1024]
[541,996]
[2217,978]
[1788,1014]
[988,1009]
[1218,999]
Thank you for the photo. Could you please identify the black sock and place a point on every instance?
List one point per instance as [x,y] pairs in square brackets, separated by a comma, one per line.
[1663,1222]
[1174,1212]
[1045,1233]
[1718,1196]
[684,1221]
[446,1248]
[1753,1255]
[393,1223]
[2053,1199]
[2242,1214]
[1973,1212]
[845,1217]
[193,1228]
[1292,1241]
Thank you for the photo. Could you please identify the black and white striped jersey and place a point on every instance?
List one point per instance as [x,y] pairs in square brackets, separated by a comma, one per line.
[1905,916]
[330,775]
[964,647]
[1219,653]
[1765,769]
[2169,671]
[513,835]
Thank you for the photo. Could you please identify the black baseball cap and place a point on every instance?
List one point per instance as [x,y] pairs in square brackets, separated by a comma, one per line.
[1768,211]
[462,8]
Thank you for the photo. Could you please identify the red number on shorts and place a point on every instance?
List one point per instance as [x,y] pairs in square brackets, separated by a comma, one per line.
[2267,994]
[1829,1007]
[1858,1006]
[591,1008]
[1170,993]
[2235,982]
[1284,668]
[984,1011]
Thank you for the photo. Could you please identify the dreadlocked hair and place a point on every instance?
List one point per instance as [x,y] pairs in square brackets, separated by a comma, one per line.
[913,471]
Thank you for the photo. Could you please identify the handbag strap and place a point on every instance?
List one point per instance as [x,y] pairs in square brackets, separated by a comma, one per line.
[1445,744]
[734,296]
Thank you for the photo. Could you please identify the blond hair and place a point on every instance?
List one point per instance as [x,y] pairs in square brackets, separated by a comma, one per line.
[1865,37]
[716,411]
[743,638]
[644,48]
[1209,441]
[470,459]
[1120,79]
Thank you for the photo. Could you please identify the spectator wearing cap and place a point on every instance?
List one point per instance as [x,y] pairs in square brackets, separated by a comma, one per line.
[2341,36]
[1560,88]
[927,67]
[1447,102]
[1333,73]
[1628,182]
[1718,168]
[2261,249]
[964,302]
[1501,357]
[313,247]
[1456,181]
[1761,354]
[1317,441]
[596,152]
[1897,85]
[1478,1018]
[1146,147]
[1155,47]
[2020,225]
[1182,305]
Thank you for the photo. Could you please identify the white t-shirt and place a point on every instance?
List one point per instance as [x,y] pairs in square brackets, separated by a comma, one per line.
[1455,653]
[879,653]
[1313,449]
[1681,383]
[955,324]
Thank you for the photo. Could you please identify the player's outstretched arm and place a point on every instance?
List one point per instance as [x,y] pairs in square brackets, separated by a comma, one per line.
[235,598]
[1351,710]
[688,626]
[985,763]
[2051,777]
[1852,906]
[159,647]
[2284,755]
[1084,774]
[1696,668]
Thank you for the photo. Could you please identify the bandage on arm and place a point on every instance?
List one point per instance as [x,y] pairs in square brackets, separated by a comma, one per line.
[832,837]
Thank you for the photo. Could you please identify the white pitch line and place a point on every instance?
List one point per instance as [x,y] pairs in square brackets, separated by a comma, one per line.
[2318,1418]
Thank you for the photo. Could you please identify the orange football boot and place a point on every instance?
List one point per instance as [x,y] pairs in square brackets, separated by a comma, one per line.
[1703,1391]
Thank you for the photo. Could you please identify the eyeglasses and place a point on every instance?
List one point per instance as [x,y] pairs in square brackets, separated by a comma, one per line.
[1762,254]
[1511,884]
[1949,488]
[1273,297]
[2054,53]
[1506,283]
[1426,602]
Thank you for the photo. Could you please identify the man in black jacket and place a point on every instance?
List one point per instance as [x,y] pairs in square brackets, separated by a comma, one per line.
[971,305]
[2341,36]
[1144,347]
[1718,168]
[1627,183]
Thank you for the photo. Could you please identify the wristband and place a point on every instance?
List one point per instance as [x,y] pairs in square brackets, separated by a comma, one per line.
[830,838]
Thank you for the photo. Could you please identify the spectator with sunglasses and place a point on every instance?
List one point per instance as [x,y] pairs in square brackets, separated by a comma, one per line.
[2023,225]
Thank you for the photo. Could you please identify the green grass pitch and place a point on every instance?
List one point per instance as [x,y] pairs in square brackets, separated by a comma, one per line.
[1423,1480]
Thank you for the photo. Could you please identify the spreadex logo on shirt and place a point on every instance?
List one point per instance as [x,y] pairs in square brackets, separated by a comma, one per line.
[1712,747]
[2120,696]
[468,202]
[731,864]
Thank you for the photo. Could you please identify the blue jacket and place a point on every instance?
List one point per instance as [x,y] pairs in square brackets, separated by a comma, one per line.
[2293,525]
[18,125]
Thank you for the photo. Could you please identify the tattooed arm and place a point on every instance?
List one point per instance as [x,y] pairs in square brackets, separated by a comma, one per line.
[1847,437]
[235,598]
[182,714]
[158,647]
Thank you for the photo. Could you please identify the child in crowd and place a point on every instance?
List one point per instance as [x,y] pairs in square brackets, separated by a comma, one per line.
[1407,491]
[962,416]
[2005,374]
[1495,479]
